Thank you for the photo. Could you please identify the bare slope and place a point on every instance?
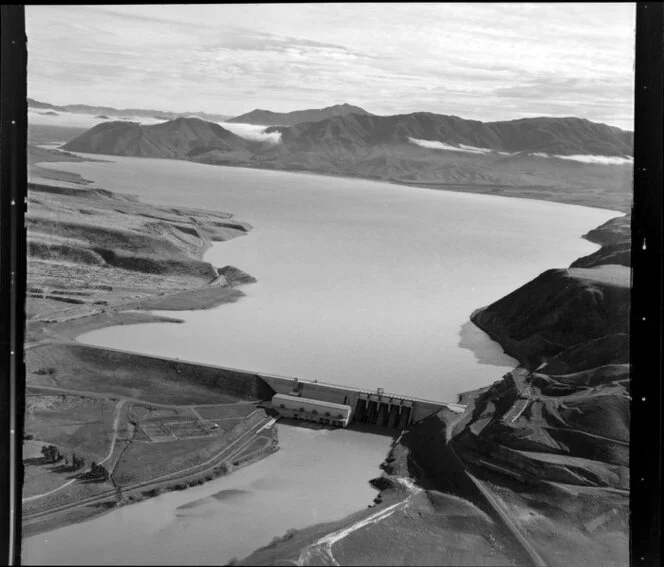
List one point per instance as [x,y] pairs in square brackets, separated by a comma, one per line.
[552,437]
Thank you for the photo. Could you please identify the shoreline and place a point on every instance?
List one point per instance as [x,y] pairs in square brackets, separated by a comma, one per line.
[467,188]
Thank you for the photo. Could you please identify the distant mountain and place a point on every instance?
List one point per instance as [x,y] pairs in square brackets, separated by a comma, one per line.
[269,118]
[119,112]
[182,138]
[420,148]
[555,136]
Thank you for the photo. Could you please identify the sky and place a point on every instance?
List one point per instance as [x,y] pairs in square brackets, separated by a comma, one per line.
[477,61]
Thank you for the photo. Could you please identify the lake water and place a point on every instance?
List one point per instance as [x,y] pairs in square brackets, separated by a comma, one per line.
[359,283]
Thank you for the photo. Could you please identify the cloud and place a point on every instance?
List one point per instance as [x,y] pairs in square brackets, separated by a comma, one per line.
[252,132]
[436,145]
[79,120]
[487,62]
[63,119]
[602,160]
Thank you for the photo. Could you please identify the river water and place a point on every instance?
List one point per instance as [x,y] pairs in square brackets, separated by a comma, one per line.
[361,283]
[316,476]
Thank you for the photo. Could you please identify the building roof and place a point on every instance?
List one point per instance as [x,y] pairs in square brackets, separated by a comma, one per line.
[310,401]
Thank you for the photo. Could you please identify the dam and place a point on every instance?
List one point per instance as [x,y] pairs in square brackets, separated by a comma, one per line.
[369,407]
[377,407]
[394,411]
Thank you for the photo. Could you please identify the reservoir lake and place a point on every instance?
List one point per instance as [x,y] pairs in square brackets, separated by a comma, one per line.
[360,283]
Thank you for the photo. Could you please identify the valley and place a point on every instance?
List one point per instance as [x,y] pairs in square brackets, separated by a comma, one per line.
[333,284]
[519,451]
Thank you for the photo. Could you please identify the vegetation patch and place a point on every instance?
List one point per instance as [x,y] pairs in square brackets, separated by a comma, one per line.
[144,461]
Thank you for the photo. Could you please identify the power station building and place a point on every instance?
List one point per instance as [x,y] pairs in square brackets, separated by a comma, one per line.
[307,409]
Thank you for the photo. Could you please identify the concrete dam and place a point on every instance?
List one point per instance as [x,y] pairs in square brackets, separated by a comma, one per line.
[394,411]
[362,406]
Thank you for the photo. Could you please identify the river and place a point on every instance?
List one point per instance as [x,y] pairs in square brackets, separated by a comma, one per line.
[317,475]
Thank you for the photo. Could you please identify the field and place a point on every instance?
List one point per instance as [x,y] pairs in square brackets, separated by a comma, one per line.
[185,447]
[77,421]
[75,425]
[134,441]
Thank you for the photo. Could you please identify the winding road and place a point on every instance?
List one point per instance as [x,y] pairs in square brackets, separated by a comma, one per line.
[227,453]
[116,427]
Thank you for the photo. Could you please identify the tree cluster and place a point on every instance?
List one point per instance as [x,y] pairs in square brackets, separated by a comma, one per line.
[51,453]
[99,471]
[77,462]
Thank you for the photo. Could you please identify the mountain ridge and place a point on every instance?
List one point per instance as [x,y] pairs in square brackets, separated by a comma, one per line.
[263,117]
[119,112]
[564,136]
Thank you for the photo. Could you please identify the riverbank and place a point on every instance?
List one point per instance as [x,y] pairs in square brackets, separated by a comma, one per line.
[414,520]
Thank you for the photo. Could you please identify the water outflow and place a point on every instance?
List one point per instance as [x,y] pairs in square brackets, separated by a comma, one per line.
[393,411]
[388,415]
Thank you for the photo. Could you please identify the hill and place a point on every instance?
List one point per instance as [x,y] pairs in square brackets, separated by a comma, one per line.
[182,138]
[551,438]
[269,118]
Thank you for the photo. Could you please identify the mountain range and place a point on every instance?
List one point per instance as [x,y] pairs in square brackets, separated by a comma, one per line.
[107,111]
[269,118]
[420,148]
[564,136]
